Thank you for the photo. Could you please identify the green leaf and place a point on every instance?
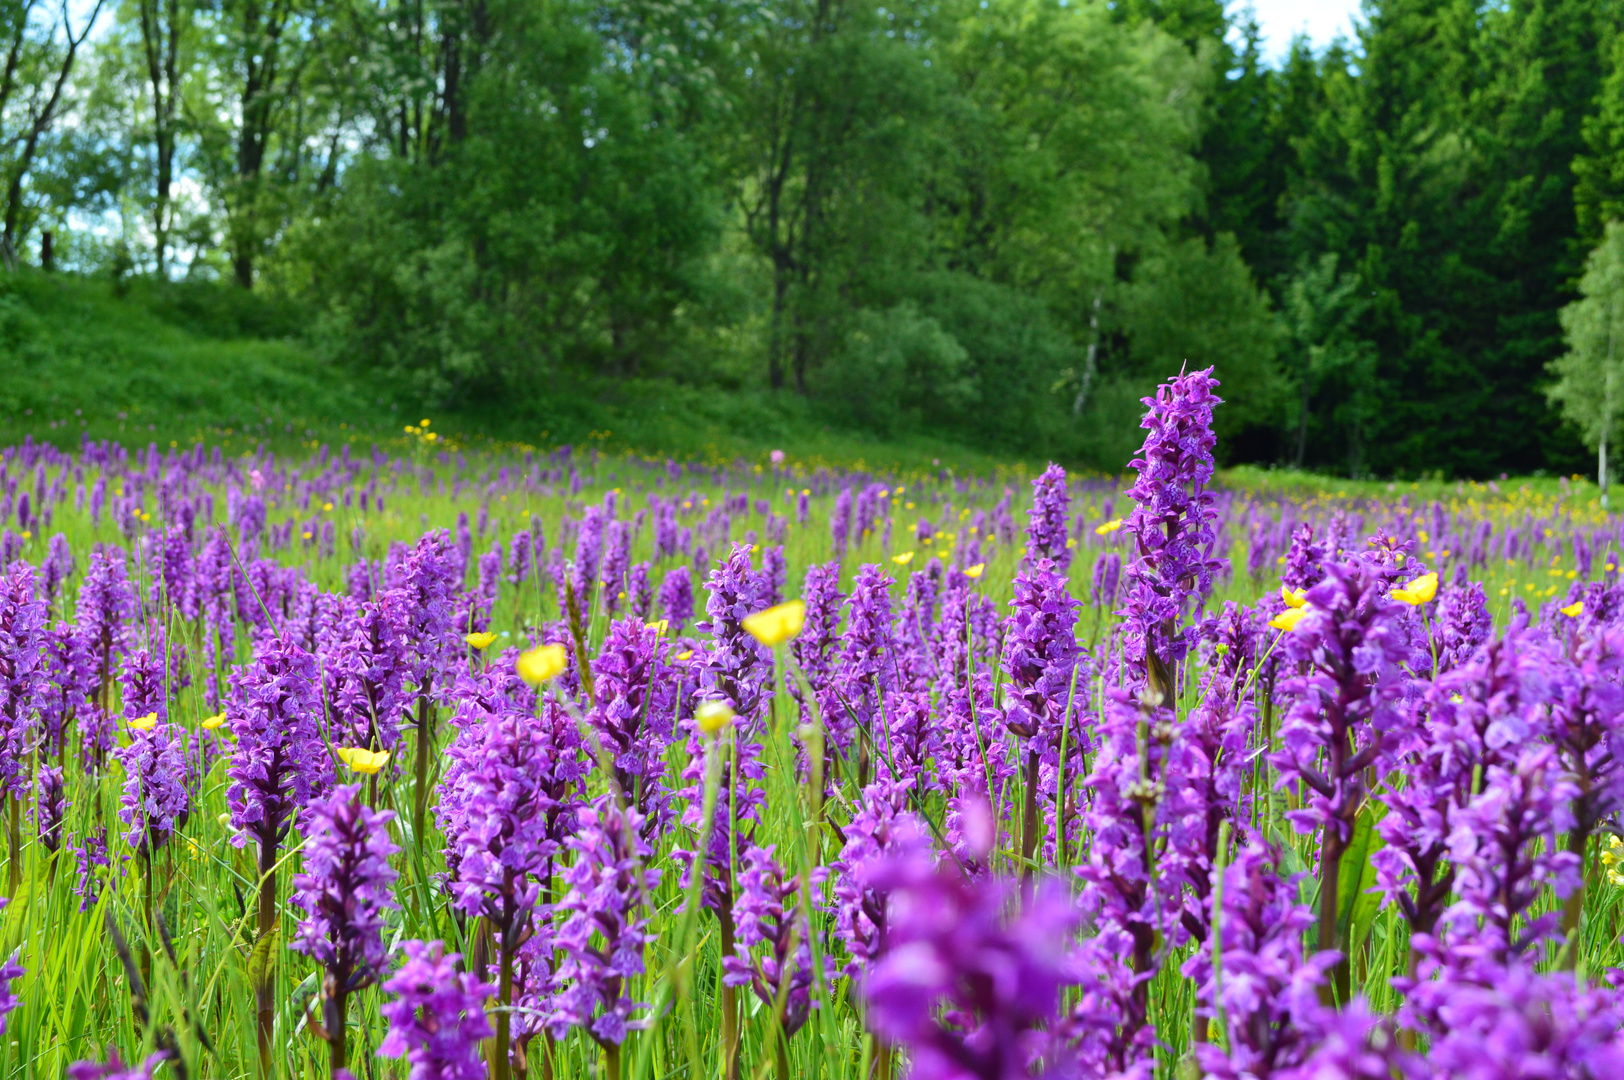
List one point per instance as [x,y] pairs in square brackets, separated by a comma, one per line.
[263,961]
[1356,905]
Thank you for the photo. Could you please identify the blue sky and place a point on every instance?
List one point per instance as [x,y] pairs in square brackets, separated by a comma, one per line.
[1322,20]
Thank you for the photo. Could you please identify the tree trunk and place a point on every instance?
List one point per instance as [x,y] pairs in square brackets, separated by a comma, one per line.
[1601,469]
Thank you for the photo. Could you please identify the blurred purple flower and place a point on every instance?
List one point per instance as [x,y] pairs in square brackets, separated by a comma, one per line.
[437,1015]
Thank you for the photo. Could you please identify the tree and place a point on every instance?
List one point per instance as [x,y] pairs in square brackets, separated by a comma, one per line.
[1324,356]
[1590,375]
[1599,171]
[34,60]
[833,100]
[247,115]
[1194,304]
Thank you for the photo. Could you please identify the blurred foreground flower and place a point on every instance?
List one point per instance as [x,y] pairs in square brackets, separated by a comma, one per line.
[1419,591]
[362,760]
[542,664]
[778,624]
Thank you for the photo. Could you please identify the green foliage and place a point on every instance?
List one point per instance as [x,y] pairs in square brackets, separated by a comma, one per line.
[1599,171]
[1590,375]
[897,367]
[1016,350]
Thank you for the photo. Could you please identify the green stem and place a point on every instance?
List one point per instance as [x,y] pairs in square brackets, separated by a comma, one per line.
[15,836]
[730,1008]
[1335,991]
[1573,909]
[264,991]
[501,1068]
[1029,813]
[338,1007]
[425,737]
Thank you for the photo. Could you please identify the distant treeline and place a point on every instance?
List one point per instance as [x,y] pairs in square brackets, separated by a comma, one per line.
[1001,219]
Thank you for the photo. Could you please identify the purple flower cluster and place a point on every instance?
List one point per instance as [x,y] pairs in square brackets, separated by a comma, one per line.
[969,991]
[346,887]
[155,801]
[280,762]
[634,714]
[1046,535]
[605,923]
[887,834]
[1173,524]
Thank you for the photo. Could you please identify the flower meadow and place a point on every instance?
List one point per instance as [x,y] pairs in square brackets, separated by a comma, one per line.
[569,765]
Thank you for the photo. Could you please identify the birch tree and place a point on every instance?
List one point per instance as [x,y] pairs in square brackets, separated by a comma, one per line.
[1590,375]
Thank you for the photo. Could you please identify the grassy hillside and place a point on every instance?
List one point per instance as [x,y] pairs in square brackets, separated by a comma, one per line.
[173,364]
[184,362]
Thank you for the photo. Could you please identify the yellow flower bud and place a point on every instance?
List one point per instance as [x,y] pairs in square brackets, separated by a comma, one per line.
[713,716]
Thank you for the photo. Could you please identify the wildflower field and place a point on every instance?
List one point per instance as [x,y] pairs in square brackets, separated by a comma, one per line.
[511,764]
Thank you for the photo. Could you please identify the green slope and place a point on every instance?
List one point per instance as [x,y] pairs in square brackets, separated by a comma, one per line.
[74,356]
[182,362]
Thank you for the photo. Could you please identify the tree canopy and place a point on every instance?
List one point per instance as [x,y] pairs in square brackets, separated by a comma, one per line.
[1003,220]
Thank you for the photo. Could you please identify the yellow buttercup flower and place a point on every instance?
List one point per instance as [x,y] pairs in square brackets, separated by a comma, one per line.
[1289,618]
[145,723]
[1575,609]
[713,716]
[776,625]
[212,722]
[480,641]
[1294,599]
[974,572]
[658,626]
[542,664]
[362,761]
[903,559]
[1419,591]
[1108,528]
